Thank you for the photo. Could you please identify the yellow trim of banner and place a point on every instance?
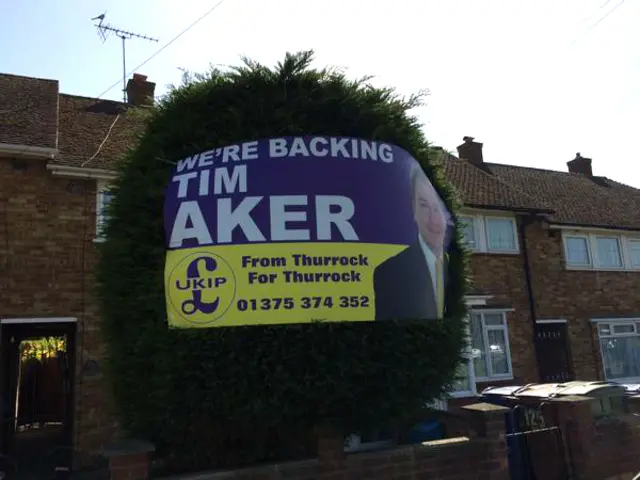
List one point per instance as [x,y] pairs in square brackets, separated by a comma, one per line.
[267,284]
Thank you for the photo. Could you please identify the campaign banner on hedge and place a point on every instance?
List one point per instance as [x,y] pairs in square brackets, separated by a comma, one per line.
[303,229]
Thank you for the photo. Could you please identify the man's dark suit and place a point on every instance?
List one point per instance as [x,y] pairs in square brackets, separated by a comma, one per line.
[403,288]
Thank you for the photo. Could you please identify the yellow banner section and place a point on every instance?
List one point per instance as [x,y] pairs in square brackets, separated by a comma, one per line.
[263,284]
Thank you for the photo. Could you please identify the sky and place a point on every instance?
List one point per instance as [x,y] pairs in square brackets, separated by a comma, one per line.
[534,80]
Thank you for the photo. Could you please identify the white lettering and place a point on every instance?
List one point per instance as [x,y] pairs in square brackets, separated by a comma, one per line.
[277,148]
[206,158]
[188,163]
[325,218]
[183,182]
[236,182]
[338,146]
[280,216]
[313,146]
[354,148]
[230,152]
[298,148]
[189,212]
[229,219]
[204,183]
[250,150]
[385,153]
[369,150]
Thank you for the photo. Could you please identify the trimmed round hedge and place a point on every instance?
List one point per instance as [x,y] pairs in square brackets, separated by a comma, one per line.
[226,397]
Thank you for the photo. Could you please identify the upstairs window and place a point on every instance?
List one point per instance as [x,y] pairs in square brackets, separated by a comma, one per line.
[489,234]
[104,197]
[577,251]
[601,252]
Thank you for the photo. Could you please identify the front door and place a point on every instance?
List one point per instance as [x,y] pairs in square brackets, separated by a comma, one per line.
[552,352]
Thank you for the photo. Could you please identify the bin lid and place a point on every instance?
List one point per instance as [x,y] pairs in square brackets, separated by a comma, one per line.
[632,388]
[501,391]
[549,390]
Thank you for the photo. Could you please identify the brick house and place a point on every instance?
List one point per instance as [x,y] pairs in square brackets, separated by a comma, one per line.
[554,257]
[556,266]
[56,152]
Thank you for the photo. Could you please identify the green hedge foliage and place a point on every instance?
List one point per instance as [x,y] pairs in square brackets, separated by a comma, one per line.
[227,397]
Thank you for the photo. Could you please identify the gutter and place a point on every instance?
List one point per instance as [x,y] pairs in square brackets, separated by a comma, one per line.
[590,228]
[81,172]
[531,211]
[26,151]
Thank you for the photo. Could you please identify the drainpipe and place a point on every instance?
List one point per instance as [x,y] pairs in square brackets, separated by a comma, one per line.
[526,221]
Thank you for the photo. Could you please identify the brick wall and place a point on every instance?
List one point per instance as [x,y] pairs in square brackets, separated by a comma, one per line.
[47,256]
[597,449]
[578,296]
[503,277]
[482,457]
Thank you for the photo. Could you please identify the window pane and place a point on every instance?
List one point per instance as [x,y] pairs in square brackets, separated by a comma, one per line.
[478,347]
[622,328]
[500,234]
[498,352]
[621,357]
[634,253]
[493,319]
[466,225]
[608,250]
[604,329]
[577,251]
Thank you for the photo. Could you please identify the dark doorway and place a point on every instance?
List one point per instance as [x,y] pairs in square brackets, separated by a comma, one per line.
[552,352]
[36,392]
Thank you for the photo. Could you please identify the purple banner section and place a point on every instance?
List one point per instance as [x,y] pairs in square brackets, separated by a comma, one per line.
[292,189]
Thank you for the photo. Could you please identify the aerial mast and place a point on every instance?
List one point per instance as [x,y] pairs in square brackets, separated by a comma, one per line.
[104,29]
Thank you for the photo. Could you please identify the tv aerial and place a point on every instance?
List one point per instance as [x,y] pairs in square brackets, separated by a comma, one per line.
[104,30]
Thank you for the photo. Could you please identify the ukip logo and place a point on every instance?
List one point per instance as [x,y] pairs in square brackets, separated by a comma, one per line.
[202,287]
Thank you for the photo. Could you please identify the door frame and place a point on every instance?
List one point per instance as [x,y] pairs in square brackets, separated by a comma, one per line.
[567,344]
[59,325]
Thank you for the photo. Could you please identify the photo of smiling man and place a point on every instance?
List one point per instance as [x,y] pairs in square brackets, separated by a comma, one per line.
[411,284]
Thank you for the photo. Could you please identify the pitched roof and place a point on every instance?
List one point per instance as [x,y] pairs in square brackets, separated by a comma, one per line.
[576,198]
[95,133]
[479,188]
[28,111]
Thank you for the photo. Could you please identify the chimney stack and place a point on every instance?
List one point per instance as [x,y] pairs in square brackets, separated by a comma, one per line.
[139,91]
[471,151]
[580,165]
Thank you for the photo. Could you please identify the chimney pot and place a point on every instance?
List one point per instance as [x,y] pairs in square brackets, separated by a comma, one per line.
[580,165]
[140,91]
[471,151]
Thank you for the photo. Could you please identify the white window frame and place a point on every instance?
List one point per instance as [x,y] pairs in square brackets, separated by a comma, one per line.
[480,232]
[594,246]
[565,250]
[626,247]
[479,302]
[624,243]
[485,336]
[612,322]
[101,186]
[471,301]
[468,359]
